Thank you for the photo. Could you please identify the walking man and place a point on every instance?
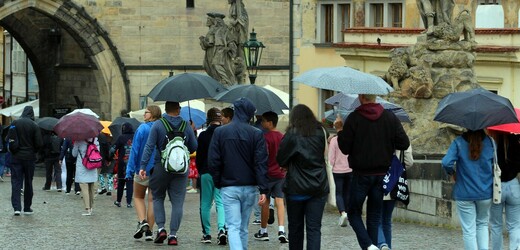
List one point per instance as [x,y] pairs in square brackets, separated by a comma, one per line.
[237,161]
[369,137]
[162,181]
[23,160]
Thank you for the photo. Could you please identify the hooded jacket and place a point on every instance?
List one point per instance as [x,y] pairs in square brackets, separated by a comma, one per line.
[370,137]
[237,153]
[127,133]
[29,135]
[134,162]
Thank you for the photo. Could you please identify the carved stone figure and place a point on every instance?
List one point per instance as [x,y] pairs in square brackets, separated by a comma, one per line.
[239,27]
[435,12]
[225,52]
[464,25]
[207,43]
[399,67]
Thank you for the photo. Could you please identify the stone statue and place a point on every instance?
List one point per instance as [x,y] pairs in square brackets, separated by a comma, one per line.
[435,12]
[225,52]
[399,67]
[239,27]
[207,43]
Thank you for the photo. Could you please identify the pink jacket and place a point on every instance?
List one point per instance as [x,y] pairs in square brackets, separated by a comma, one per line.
[337,159]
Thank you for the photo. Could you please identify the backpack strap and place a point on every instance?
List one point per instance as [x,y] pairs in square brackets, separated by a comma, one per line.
[166,124]
[182,127]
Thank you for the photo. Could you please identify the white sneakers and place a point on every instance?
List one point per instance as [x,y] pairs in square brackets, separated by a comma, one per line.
[372,247]
[343,220]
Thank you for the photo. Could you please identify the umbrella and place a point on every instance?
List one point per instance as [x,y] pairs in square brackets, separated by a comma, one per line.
[84,111]
[513,128]
[263,99]
[186,86]
[475,109]
[330,115]
[192,114]
[15,111]
[349,102]
[138,114]
[78,126]
[47,123]
[105,129]
[346,80]
[117,126]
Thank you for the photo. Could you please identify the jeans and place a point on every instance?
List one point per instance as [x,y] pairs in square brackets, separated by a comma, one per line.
[2,164]
[22,174]
[51,164]
[71,172]
[238,203]
[384,232]
[511,203]
[342,182]
[309,213]
[361,187]
[474,219]
[208,194]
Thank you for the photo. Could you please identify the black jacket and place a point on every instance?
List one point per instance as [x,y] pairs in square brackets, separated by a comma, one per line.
[29,135]
[202,149]
[119,145]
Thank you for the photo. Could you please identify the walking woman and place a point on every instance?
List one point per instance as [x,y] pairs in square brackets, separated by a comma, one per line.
[301,153]
[85,177]
[141,185]
[472,152]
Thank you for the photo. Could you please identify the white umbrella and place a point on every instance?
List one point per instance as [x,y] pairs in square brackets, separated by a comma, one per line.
[15,111]
[138,114]
[84,111]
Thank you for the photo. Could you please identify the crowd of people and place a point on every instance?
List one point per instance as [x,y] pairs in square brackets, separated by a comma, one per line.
[242,167]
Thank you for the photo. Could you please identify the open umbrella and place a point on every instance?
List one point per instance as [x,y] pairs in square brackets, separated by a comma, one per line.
[78,126]
[513,128]
[105,129]
[198,117]
[47,123]
[475,109]
[117,125]
[84,111]
[263,99]
[186,86]
[346,80]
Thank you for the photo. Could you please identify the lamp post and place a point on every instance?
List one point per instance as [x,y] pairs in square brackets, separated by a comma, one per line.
[253,52]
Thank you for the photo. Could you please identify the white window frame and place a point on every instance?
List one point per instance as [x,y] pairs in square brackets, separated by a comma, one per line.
[337,35]
[387,19]
[482,2]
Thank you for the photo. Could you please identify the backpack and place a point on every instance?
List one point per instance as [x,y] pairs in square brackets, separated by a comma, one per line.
[175,156]
[92,159]
[55,144]
[13,145]
[128,149]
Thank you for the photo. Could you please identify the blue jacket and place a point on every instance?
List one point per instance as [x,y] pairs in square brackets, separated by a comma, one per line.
[138,144]
[474,177]
[157,140]
[237,153]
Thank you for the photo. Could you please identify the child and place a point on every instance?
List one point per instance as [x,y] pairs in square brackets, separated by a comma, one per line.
[276,178]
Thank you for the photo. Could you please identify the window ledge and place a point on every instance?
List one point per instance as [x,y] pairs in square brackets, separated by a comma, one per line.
[368,30]
[387,46]
[323,45]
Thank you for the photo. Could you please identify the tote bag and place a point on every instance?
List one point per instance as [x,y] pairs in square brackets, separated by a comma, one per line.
[401,191]
[394,172]
[497,182]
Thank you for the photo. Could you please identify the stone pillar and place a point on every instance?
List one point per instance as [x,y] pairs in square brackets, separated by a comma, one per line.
[359,13]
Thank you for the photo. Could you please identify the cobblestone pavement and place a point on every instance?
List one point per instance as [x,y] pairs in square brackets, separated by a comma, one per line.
[57,223]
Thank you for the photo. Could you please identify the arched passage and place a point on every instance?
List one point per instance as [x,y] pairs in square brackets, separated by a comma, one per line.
[71,53]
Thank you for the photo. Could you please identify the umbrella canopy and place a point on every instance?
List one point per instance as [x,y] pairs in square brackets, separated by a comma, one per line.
[84,111]
[105,129]
[192,114]
[78,126]
[330,115]
[47,123]
[15,111]
[186,86]
[263,99]
[346,80]
[138,114]
[475,109]
[513,128]
[117,126]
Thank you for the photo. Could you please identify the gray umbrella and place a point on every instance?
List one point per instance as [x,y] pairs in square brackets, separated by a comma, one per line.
[346,80]
[475,109]
[47,123]
[185,87]
[263,99]
[117,125]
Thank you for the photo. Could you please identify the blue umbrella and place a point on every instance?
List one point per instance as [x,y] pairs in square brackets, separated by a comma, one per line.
[192,114]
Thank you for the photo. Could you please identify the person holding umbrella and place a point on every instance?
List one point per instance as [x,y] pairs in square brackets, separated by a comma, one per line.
[85,177]
[472,154]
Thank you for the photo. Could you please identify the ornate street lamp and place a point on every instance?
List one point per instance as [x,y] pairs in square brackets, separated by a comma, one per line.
[253,52]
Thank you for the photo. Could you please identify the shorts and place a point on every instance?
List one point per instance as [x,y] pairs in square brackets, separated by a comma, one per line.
[145,182]
[275,187]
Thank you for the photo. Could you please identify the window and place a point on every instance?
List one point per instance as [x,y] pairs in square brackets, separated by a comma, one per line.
[377,15]
[190,3]
[381,13]
[489,2]
[333,17]
[396,15]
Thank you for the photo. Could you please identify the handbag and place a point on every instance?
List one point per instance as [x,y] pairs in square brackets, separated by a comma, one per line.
[401,191]
[497,182]
[393,174]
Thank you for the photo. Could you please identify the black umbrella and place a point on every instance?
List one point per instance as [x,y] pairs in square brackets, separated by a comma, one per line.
[185,87]
[263,99]
[475,109]
[47,123]
[117,125]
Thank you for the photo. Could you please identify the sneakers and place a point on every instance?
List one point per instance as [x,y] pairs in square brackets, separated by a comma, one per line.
[87,212]
[206,239]
[102,191]
[142,227]
[372,247]
[46,189]
[270,221]
[148,235]
[117,203]
[28,211]
[161,236]
[172,240]
[59,190]
[192,191]
[78,192]
[109,193]
[257,222]
[17,213]
[282,237]
[261,236]
[129,205]
[384,247]
[343,220]
[222,238]
[1,179]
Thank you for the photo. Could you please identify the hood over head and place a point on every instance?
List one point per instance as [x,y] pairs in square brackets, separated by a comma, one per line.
[28,112]
[371,111]
[244,110]
[127,128]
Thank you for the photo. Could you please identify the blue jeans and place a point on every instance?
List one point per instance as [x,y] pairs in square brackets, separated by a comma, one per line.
[342,182]
[306,213]
[22,173]
[361,187]
[238,203]
[511,203]
[474,219]
[2,164]
[384,232]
